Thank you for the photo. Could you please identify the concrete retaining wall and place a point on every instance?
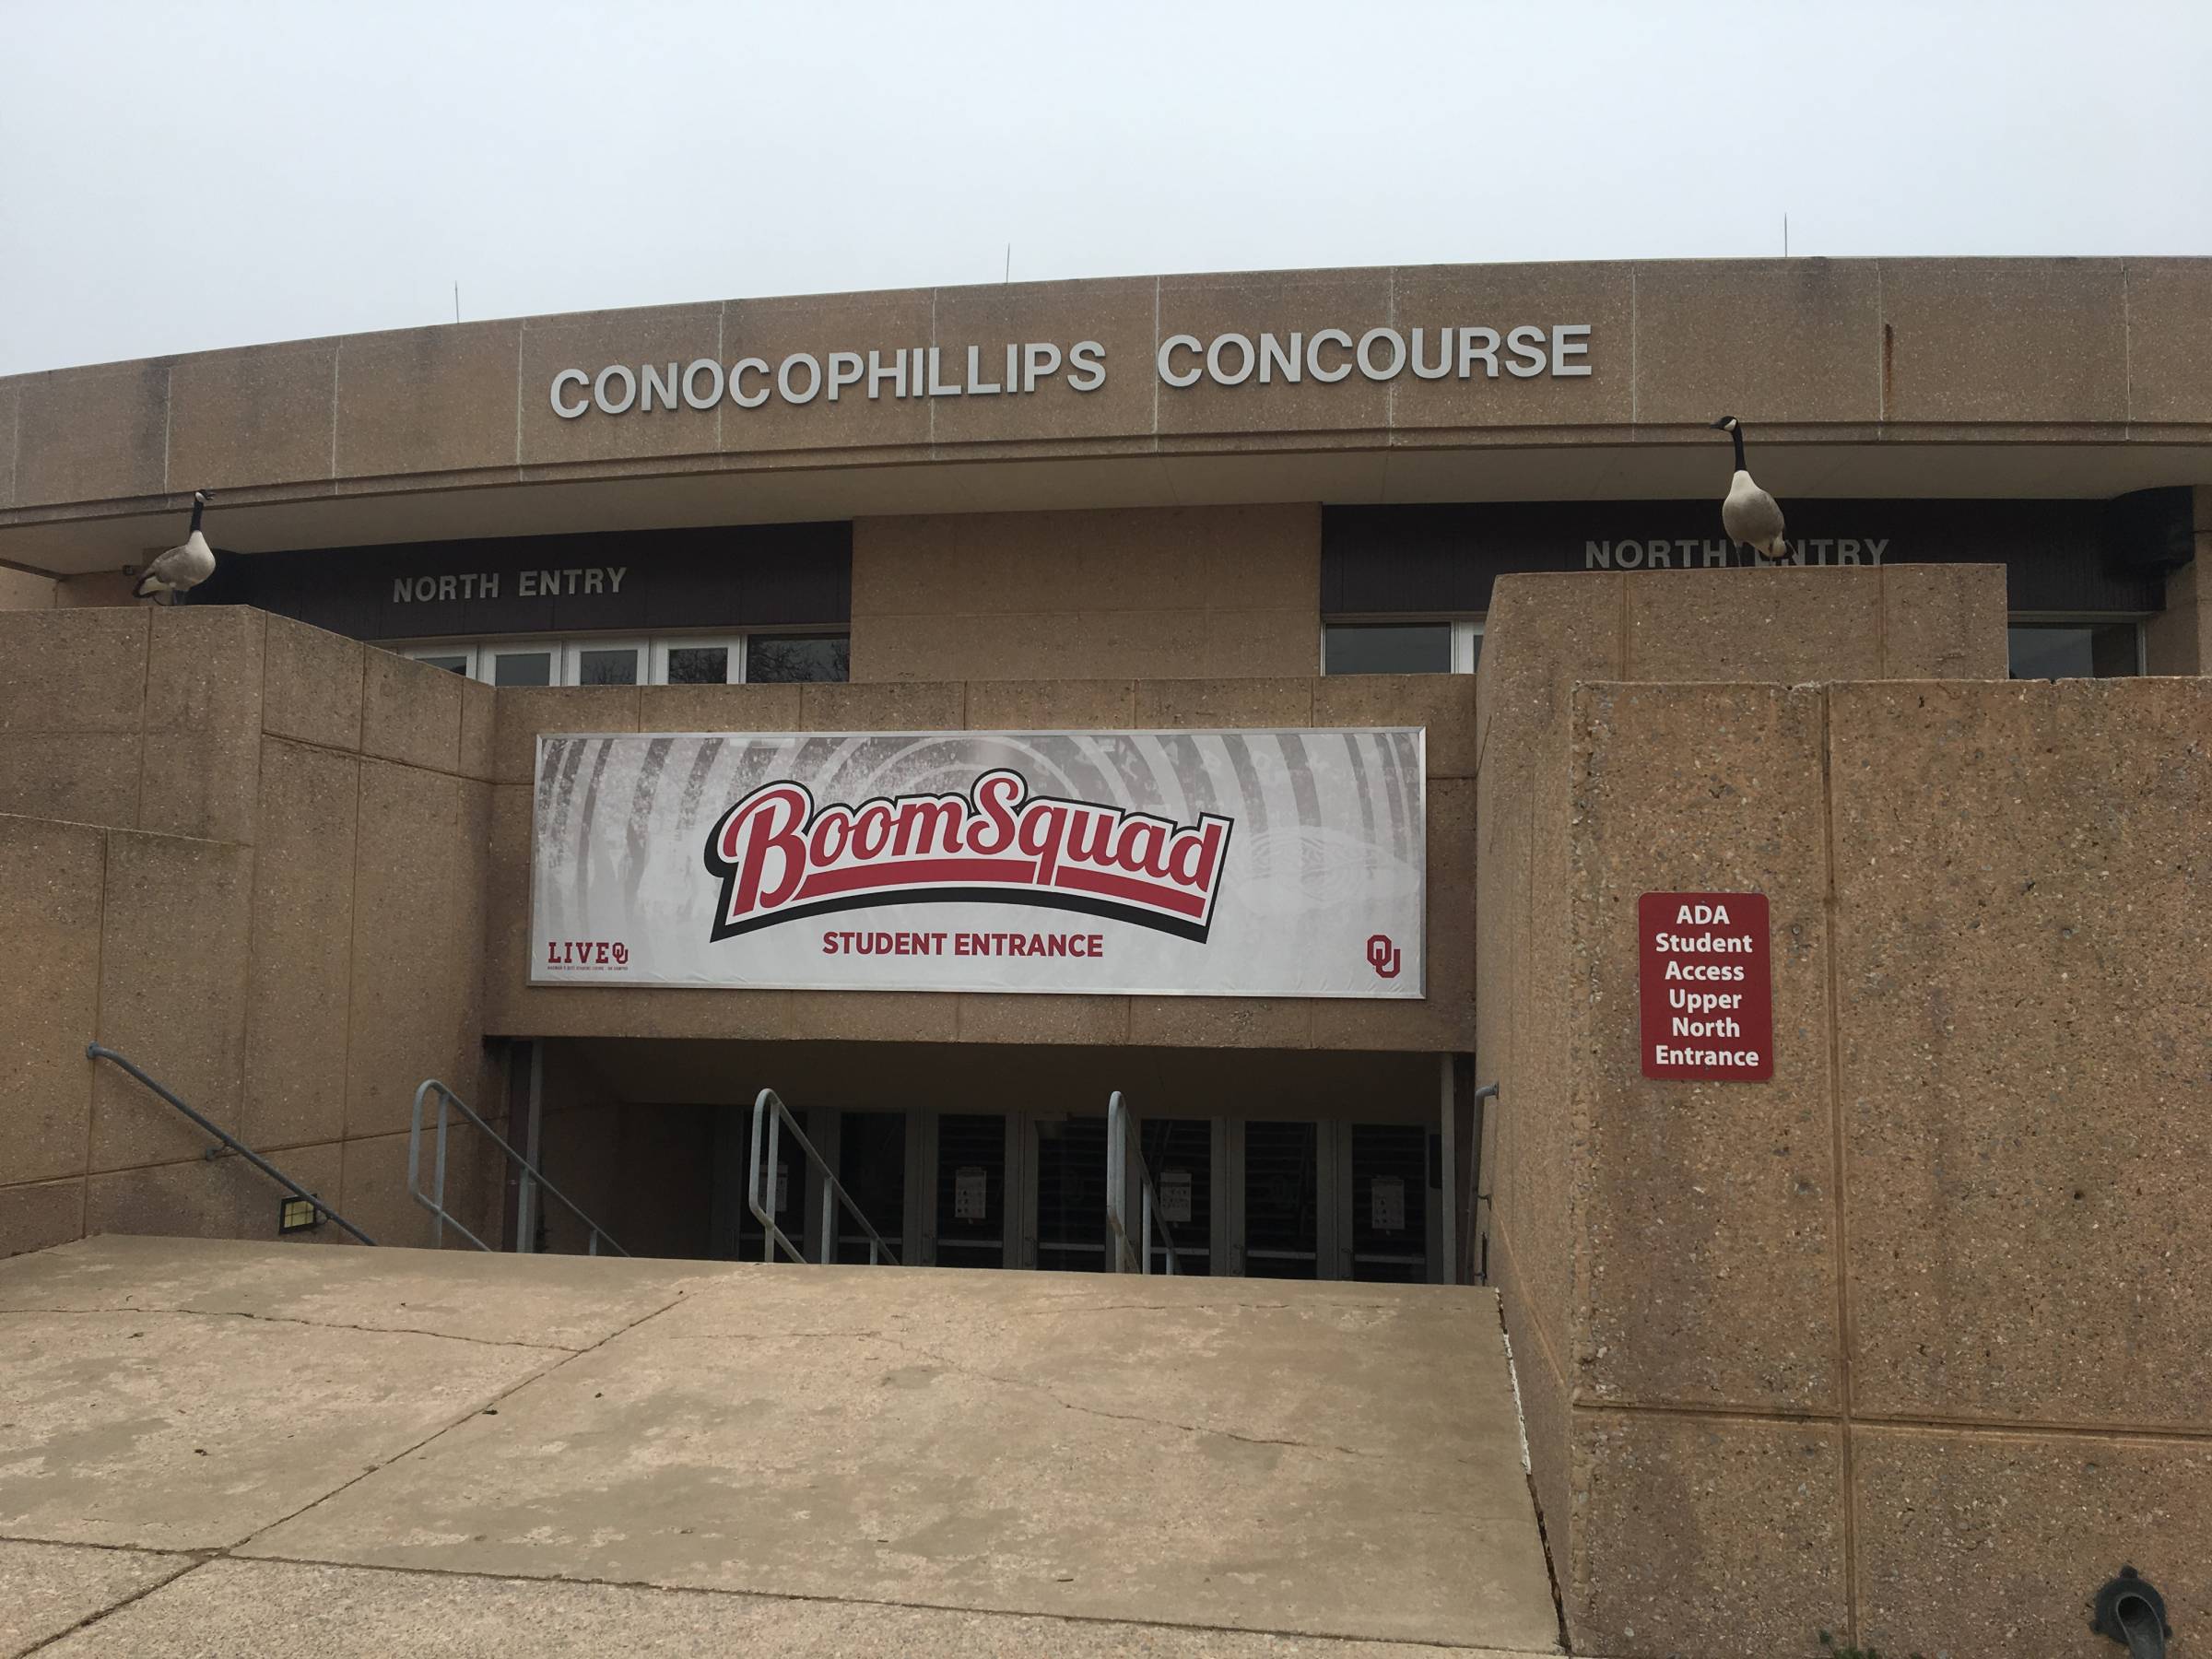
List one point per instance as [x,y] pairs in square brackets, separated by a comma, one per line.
[1907,1341]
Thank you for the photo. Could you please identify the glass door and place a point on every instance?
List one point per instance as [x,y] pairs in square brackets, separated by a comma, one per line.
[971,1190]
[1282,1200]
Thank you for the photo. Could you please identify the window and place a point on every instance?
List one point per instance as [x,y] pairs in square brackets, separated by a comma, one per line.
[666,660]
[2083,650]
[1426,647]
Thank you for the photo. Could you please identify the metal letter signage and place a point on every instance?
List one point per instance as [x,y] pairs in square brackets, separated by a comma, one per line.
[1707,988]
[1203,863]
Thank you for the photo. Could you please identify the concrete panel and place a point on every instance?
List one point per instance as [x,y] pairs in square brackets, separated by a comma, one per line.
[73,670]
[236,1607]
[2022,1073]
[75,777]
[1739,1309]
[202,722]
[2179,639]
[507,911]
[40,1215]
[1259,643]
[872,1016]
[93,434]
[416,996]
[1222,1021]
[1994,341]
[1117,313]
[374,1195]
[1103,1020]
[592,341]
[717,708]
[410,712]
[1779,626]
[1989,1543]
[51,891]
[11,388]
[263,415]
[174,940]
[541,1301]
[1050,705]
[524,712]
[226,1199]
[53,1587]
[949,1423]
[1750,1513]
[1505,297]
[771,330]
[302,960]
[1443,704]
[313,686]
[1944,622]
[224,1424]
[479,729]
[1230,703]
[2169,317]
[436,399]
[882,708]
[1208,306]
[21,590]
[1766,340]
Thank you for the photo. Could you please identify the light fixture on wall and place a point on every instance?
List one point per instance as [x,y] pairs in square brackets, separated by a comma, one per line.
[298,1215]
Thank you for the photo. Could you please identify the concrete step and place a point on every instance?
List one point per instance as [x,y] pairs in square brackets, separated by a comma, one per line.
[872,1459]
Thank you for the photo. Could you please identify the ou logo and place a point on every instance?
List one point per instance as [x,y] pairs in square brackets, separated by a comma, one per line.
[1382,955]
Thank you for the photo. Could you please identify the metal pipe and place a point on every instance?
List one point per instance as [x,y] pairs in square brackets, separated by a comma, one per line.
[94,1051]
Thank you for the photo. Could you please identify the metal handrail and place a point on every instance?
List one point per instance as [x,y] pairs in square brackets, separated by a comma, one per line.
[94,1051]
[435,1202]
[1118,1153]
[769,1106]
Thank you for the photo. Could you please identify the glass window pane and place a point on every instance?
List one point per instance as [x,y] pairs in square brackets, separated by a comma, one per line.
[698,665]
[1387,648]
[452,664]
[522,668]
[781,659]
[2063,651]
[607,666]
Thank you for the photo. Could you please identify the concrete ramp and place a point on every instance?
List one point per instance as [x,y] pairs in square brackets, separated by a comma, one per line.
[240,1448]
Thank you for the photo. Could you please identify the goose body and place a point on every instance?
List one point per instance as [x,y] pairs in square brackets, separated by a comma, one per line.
[1753,517]
[184,566]
[1748,513]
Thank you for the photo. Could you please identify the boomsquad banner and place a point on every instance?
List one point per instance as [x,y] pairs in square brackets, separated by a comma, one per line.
[1201,864]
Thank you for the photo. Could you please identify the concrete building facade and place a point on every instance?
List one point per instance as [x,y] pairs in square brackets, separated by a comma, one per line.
[1827,1346]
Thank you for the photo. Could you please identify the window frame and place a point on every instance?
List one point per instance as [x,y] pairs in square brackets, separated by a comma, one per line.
[1463,643]
[480,656]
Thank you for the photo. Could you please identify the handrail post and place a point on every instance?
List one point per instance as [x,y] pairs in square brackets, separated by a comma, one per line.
[828,1220]
[434,1201]
[768,1110]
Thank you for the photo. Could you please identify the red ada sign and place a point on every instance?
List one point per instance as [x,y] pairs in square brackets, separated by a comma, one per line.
[1707,986]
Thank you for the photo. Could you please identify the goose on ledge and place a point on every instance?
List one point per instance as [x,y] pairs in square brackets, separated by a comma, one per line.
[184,566]
[1749,514]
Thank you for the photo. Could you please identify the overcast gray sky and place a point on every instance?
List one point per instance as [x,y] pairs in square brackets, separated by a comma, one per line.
[176,177]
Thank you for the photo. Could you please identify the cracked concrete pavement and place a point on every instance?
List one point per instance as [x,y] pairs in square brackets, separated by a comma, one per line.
[268,1439]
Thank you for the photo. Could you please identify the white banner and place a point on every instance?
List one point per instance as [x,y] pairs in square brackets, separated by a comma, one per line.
[1198,863]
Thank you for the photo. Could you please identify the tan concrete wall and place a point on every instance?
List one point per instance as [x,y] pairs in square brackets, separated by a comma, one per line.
[1149,593]
[250,855]
[23,590]
[1902,349]
[1905,1343]
[1445,1020]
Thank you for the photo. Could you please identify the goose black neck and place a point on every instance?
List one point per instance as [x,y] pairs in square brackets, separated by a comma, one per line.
[199,507]
[1735,432]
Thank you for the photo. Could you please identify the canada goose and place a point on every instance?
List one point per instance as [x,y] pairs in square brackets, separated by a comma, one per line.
[186,565]
[1749,514]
